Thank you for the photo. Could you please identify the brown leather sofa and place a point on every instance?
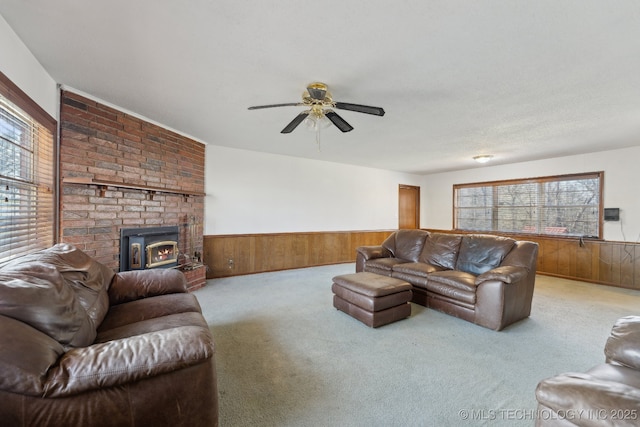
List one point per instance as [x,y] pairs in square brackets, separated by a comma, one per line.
[484,279]
[82,346]
[606,395]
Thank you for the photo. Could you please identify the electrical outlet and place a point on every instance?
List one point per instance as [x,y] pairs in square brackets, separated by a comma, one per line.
[230,263]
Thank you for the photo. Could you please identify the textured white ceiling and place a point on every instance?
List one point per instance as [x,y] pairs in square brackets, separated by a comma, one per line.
[518,79]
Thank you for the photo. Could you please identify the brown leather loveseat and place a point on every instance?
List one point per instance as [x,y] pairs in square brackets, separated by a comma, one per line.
[484,279]
[606,395]
[82,346]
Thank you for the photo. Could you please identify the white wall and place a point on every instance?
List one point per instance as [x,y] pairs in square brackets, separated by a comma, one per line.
[250,192]
[621,178]
[22,68]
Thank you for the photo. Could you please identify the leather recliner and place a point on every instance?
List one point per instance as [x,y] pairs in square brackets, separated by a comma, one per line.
[606,395]
[84,346]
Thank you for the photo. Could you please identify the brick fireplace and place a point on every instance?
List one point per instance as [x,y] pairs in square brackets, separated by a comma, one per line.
[121,172]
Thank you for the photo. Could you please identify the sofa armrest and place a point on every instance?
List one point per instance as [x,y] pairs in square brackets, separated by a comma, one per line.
[365,253]
[371,252]
[132,285]
[623,346]
[119,362]
[581,394]
[503,296]
[506,274]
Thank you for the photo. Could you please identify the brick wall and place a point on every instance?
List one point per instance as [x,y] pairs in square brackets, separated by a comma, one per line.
[105,144]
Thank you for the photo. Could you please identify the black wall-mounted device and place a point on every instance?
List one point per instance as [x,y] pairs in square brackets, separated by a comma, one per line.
[612,214]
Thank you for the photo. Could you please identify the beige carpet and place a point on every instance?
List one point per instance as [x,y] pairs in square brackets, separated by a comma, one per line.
[286,357]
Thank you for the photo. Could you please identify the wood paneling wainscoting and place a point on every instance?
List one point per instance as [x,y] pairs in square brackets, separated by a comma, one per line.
[236,254]
[604,262]
[597,261]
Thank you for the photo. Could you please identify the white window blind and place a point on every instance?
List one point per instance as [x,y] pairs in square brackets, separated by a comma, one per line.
[568,205]
[27,159]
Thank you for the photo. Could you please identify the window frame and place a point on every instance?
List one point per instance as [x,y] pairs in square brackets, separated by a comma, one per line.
[37,114]
[599,175]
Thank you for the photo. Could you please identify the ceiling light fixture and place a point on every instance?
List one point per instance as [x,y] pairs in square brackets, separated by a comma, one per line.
[316,121]
[483,158]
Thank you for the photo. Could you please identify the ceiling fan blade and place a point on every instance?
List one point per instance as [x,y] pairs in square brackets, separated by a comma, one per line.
[376,111]
[338,121]
[290,104]
[295,122]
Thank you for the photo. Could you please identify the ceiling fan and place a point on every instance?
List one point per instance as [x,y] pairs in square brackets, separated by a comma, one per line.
[318,98]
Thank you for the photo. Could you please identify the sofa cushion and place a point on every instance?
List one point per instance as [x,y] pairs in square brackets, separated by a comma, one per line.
[76,286]
[441,249]
[37,295]
[456,279]
[88,278]
[419,269]
[170,321]
[457,285]
[149,308]
[480,253]
[406,244]
[383,264]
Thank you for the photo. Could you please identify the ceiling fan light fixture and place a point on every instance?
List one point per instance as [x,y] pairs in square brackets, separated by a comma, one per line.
[314,122]
[484,158]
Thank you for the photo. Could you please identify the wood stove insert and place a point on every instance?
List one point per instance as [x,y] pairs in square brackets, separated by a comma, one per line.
[149,247]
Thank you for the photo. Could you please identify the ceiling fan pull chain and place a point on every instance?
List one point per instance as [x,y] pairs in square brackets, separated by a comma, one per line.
[318,138]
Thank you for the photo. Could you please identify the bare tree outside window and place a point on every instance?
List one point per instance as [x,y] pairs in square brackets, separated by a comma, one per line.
[567,205]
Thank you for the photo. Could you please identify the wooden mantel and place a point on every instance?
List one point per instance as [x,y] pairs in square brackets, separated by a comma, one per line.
[103,184]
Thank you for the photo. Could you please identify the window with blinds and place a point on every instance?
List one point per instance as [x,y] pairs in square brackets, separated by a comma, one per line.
[567,205]
[27,159]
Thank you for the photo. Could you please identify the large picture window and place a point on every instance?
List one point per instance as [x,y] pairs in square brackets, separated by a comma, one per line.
[27,174]
[567,205]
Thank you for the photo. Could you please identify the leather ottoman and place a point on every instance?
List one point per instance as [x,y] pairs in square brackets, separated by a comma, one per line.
[373,299]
